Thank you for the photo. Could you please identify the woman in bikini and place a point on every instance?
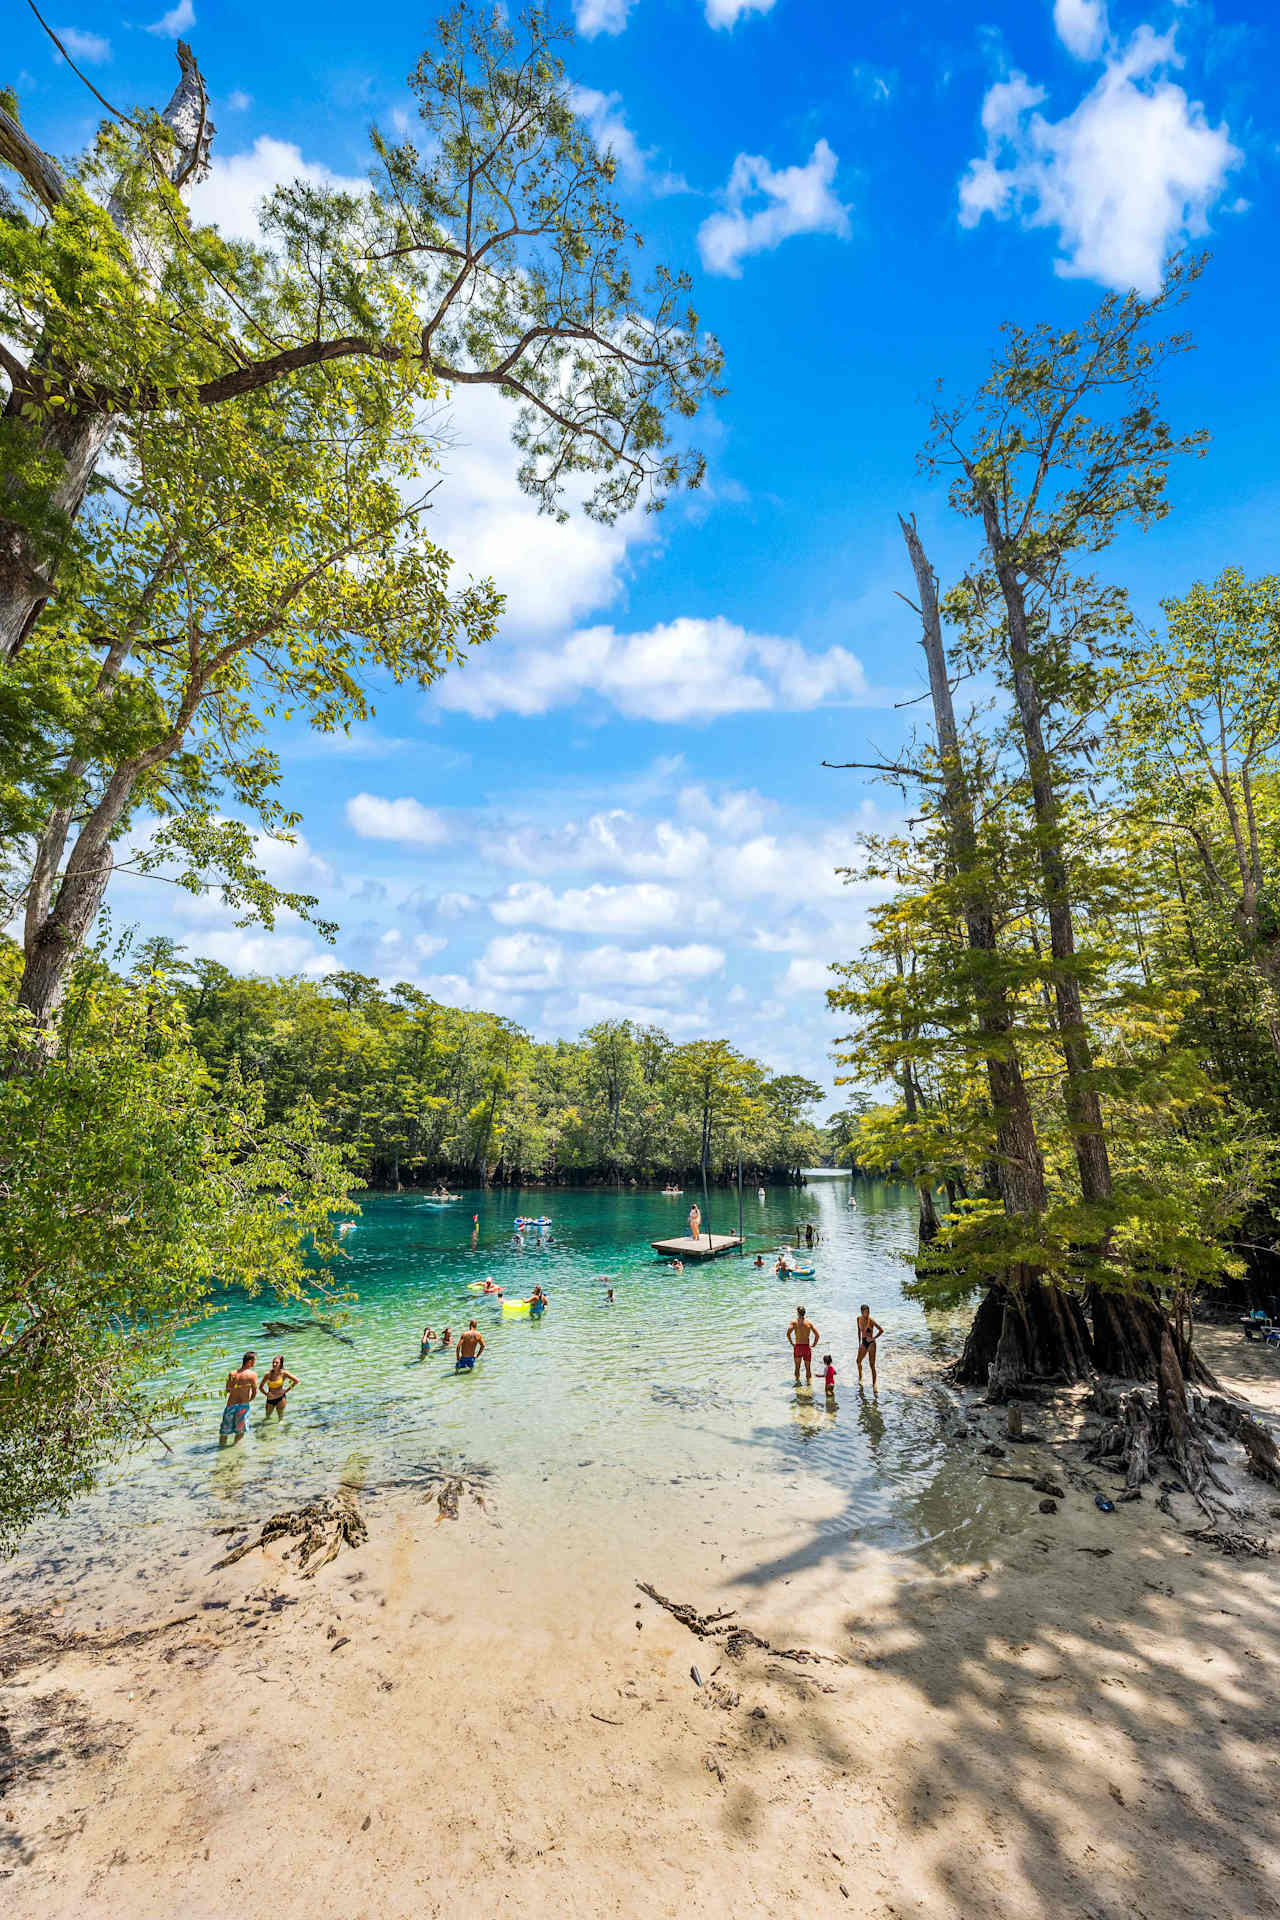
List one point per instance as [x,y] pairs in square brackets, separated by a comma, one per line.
[276,1386]
[869,1332]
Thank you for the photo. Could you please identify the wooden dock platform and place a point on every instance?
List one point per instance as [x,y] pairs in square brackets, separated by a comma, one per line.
[707,1246]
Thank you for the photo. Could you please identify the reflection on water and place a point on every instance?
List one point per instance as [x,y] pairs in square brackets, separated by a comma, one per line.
[682,1378]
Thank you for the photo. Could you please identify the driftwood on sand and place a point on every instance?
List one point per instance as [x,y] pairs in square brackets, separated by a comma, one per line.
[321,1527]
[711,1626]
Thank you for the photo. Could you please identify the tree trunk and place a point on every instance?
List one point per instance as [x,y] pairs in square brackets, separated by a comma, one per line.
[1041,1329]
[1084,1109]
[70,442]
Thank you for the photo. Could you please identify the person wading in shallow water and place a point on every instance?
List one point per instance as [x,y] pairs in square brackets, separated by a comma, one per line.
[241,1388]
[869,1331]
[803,1336]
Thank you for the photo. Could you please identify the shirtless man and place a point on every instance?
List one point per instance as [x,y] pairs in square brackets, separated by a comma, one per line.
[241,1388]
[869,1332]
[470,1347]
[803,1336]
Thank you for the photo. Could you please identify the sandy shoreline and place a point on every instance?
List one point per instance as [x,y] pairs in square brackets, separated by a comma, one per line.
[486,1716]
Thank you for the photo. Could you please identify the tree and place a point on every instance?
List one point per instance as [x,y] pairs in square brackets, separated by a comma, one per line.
[134,1191]
[494,257]
[1197,746]
[255,564]
[1060,447]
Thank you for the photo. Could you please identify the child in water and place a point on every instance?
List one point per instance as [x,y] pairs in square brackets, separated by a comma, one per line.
[828,1374]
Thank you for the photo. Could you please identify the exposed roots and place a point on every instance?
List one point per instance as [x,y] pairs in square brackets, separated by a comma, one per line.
[322,1527]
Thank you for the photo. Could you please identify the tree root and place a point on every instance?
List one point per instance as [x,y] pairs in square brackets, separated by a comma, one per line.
[1227,1540]
[322,1527]
[710,1626]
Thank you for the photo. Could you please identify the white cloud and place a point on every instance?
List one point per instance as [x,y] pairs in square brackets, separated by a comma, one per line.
[245,952]
[796,200]
[612,966]
[644,907]
[519,963]
[600,16]
[1125,179]
[292,864]
[231,194]
[552,574]
[1081,25]
[727,13]
[90,49]
[239,101]
[604,116]
[179,19]
[686,670]
[425,945]
[806,976]
[404,820]
[455,906]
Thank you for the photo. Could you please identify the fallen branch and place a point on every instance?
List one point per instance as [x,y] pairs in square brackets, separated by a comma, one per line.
[709,1626]
[1242,1545]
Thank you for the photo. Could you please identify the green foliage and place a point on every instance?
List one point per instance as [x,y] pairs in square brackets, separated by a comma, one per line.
[415,1086]
[134,1190]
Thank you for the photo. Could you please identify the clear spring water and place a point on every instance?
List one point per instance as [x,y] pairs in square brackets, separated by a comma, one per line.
[682,1379]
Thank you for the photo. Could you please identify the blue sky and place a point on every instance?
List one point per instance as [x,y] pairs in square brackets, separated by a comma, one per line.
[621,807]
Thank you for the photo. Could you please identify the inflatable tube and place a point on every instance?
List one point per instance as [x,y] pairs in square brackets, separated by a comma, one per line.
[515,1306]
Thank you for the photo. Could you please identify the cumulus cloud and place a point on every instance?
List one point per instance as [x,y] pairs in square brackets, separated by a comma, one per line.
[179,19]
[231,194]
[1127,177]
[90,49]
[763,207]
[685,670]
[292,864]
[612,966]
[551,574]
[806,976]
[405,820]
[727,13]
[1081,25]
[604,116]
[642,907]
[600,16]
[245,952]
[239,101]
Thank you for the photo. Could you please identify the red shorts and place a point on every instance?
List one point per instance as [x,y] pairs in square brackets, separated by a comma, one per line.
[801,1352]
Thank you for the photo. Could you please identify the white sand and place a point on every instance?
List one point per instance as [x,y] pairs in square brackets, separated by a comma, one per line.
[506,1732]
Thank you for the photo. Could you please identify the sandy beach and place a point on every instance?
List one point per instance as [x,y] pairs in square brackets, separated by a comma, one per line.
[487,1716]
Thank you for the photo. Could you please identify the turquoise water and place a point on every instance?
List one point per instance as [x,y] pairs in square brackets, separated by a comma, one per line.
[684,1378]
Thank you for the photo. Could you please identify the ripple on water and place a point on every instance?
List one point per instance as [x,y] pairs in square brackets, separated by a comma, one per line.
[686,1375]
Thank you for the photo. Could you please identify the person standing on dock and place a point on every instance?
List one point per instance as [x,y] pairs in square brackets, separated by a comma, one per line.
[803,1336]
[695,1221]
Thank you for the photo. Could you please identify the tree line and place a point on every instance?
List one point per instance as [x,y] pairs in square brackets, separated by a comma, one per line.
[1068,1002]
[415,1092]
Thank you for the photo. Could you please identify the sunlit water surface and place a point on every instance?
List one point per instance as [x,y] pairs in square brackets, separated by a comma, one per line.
[684,1378]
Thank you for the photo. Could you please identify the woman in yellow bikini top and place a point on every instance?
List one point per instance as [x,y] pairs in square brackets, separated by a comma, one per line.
[276,1386]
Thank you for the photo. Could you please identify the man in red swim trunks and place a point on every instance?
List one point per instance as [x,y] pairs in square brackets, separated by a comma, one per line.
[803,1336]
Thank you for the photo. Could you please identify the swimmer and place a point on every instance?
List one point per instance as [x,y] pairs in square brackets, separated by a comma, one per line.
[869,1332]
[608,1299]
[276,1386]
[803,1336]
[537,1301]
[446,1340]
[428,1335]
[241,1388]
[470,1347]
[675,1266]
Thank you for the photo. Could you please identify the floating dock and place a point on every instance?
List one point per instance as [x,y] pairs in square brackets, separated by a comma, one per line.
[707,1246]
